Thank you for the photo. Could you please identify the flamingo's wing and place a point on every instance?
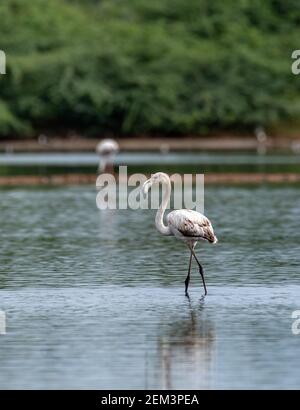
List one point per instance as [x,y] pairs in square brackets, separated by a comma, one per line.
[192,224]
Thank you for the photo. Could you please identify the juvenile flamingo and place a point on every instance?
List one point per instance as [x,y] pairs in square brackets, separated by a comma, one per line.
[185,224]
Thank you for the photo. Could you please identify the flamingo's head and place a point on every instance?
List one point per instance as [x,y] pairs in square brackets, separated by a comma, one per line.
[107,146]
[155,179]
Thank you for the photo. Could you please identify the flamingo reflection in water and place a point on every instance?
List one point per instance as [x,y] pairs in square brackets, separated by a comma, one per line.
[187,353]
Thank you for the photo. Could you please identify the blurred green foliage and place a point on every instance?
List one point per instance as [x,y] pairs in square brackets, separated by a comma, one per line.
[140,66]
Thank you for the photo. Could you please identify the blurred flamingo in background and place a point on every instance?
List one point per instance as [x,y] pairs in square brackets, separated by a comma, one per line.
[261,138]
[107,150]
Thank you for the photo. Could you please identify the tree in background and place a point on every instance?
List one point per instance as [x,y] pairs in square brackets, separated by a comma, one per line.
[135,66]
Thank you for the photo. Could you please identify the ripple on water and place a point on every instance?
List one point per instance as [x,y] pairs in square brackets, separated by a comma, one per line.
[95,300]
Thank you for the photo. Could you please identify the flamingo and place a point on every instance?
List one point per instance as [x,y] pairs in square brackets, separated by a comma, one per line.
[107,149]
[262,139]
[185,224]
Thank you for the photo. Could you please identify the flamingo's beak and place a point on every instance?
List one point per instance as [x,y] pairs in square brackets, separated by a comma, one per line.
[146,186]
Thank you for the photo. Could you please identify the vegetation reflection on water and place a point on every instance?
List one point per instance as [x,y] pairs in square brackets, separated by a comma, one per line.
[96,299]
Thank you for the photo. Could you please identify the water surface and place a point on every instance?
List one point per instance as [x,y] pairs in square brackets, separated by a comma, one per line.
[193,162]
[96,299]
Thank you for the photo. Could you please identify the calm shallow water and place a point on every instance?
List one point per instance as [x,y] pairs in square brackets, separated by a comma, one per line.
[96,299]
[197,162]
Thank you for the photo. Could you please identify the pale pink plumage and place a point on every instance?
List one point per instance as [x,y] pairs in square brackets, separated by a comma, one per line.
[185,224]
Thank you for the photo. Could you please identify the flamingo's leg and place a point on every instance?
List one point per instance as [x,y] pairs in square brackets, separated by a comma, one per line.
[200,270]
[187,280]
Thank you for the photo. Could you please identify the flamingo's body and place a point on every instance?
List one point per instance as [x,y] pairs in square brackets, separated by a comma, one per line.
[190,226]
[107,150]
[185,224]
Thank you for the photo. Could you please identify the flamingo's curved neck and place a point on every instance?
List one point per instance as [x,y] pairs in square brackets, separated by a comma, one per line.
[159,219]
